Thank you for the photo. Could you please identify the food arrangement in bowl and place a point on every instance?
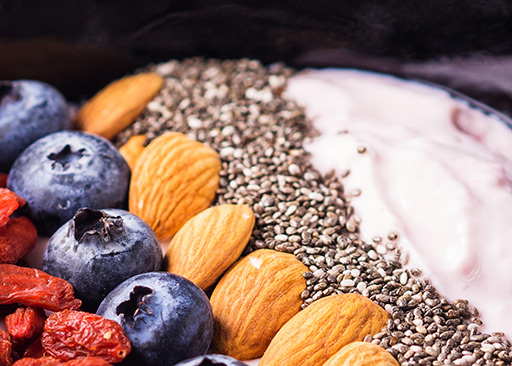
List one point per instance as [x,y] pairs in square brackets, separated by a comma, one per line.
[225,212]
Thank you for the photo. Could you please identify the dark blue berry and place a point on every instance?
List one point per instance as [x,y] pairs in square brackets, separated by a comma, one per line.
[97,250]
[67,170]
[29,110]
[166,317]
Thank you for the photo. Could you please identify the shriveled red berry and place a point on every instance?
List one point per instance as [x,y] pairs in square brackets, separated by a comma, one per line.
[35,349]
[17,238]
[5,349]
[73,334]
[35,288]
[25,324]
[41,361]
[9,202]
[88,361]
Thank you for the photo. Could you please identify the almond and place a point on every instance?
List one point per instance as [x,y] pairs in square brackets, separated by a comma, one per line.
[362,354]
[132,150]
[174,179]
[204,248]
[316,333]
[253,300]
[117,105]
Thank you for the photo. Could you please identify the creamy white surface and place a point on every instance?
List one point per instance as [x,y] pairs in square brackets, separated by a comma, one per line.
[435,170]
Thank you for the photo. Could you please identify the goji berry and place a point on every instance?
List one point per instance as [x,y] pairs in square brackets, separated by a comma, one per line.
[3,180]
[35,349]
[5,349]
[25,324]
[17,238]
[9,202]
[73,334]
[41,361]
[88,361]
[35,288]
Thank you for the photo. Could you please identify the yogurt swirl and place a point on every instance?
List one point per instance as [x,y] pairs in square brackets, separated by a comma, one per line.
[429,166]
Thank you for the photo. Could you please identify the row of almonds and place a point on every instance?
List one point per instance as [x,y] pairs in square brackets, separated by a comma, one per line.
[256,299]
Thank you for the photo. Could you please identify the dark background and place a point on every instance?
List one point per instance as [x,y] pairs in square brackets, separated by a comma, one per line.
[79,46]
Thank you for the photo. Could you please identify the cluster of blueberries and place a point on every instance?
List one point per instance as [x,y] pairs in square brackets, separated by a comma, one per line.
[76,187]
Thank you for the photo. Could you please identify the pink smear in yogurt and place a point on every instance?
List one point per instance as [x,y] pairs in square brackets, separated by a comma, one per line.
[434,169]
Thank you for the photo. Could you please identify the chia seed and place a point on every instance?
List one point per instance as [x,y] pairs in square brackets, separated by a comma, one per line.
[238,108]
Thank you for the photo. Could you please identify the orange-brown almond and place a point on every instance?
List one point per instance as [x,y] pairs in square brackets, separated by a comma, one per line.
[209,243]
[117,105]
[362,354]
[174,179]
[316,333]
[132,150]
[253,300]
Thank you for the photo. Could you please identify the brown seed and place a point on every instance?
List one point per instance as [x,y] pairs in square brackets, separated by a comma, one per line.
[132,150]
[361,354]
[316,333]
[174,179]
[117,105]
[253,300]
[209,243]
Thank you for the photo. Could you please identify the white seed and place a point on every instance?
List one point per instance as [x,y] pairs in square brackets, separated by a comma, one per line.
[355,272]
[194,122]
[372,255]
[361,287]
[347,283]
[316,196]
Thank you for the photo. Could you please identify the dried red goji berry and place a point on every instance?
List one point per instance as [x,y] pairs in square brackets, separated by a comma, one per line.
[5,349]
[25,324]
[88,361]
[41,361]
[73,334]
[9,202]
[35,349]
[17,238]
[35,288]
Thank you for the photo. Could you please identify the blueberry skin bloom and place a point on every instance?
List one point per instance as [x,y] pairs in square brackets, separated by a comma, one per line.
[28,110]
[67,170]
[211,360]
[166,317]
[97,250]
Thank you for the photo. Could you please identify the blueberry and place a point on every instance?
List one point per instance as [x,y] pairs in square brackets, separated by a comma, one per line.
[28,110]
[97,250]
[211,360]
[67,170]
[166,317]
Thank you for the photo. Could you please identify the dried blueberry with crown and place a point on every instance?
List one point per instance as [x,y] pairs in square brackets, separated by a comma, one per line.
[97,250]
[166,317]
[67,170]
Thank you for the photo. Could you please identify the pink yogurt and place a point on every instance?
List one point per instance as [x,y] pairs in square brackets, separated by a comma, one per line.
[435,170]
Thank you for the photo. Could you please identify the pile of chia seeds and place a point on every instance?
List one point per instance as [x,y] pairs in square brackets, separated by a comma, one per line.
[238,108]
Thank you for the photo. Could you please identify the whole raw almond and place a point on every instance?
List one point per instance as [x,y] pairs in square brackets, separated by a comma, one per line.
[362,354]
[117,105]
[253,300]
[316,333]
[174,178]
[211,241]
[132,150]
